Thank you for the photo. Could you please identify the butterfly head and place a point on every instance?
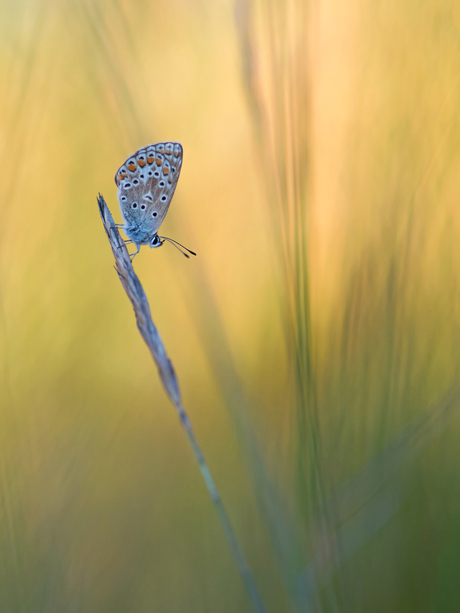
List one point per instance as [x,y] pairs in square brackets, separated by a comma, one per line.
[156,242]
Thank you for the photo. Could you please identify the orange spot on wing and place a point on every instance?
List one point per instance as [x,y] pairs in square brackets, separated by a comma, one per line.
[150,159]
[132,166]
[166,171]
[159,161]
[141,163]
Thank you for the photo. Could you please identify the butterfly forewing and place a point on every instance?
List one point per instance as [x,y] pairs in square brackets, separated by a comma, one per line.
[146,183]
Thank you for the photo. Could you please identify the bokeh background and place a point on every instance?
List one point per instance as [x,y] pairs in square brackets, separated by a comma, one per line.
[316,336]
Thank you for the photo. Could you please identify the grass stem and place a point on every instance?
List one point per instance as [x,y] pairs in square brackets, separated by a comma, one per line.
[151,336]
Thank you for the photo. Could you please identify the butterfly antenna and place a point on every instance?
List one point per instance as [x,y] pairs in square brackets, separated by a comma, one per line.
[177,245]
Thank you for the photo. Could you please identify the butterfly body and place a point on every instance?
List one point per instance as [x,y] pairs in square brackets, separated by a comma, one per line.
[146,183]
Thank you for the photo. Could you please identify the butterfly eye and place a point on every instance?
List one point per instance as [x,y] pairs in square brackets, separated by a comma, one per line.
[154,214]
[134,205]
[143,207]
[163,198]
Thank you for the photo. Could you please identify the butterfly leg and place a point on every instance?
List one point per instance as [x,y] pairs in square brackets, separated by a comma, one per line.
[132,255]
[124,244]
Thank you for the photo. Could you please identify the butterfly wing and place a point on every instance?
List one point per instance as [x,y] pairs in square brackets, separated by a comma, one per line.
[146,183]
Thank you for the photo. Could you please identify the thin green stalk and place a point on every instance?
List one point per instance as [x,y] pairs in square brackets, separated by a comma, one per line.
[151,336]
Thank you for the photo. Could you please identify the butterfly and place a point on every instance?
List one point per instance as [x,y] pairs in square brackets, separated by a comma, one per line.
[146,184]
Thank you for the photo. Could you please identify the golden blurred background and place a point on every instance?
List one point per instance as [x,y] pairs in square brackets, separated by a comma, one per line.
[316,336]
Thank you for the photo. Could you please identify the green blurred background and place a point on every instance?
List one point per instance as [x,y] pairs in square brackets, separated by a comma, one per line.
[316,336]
